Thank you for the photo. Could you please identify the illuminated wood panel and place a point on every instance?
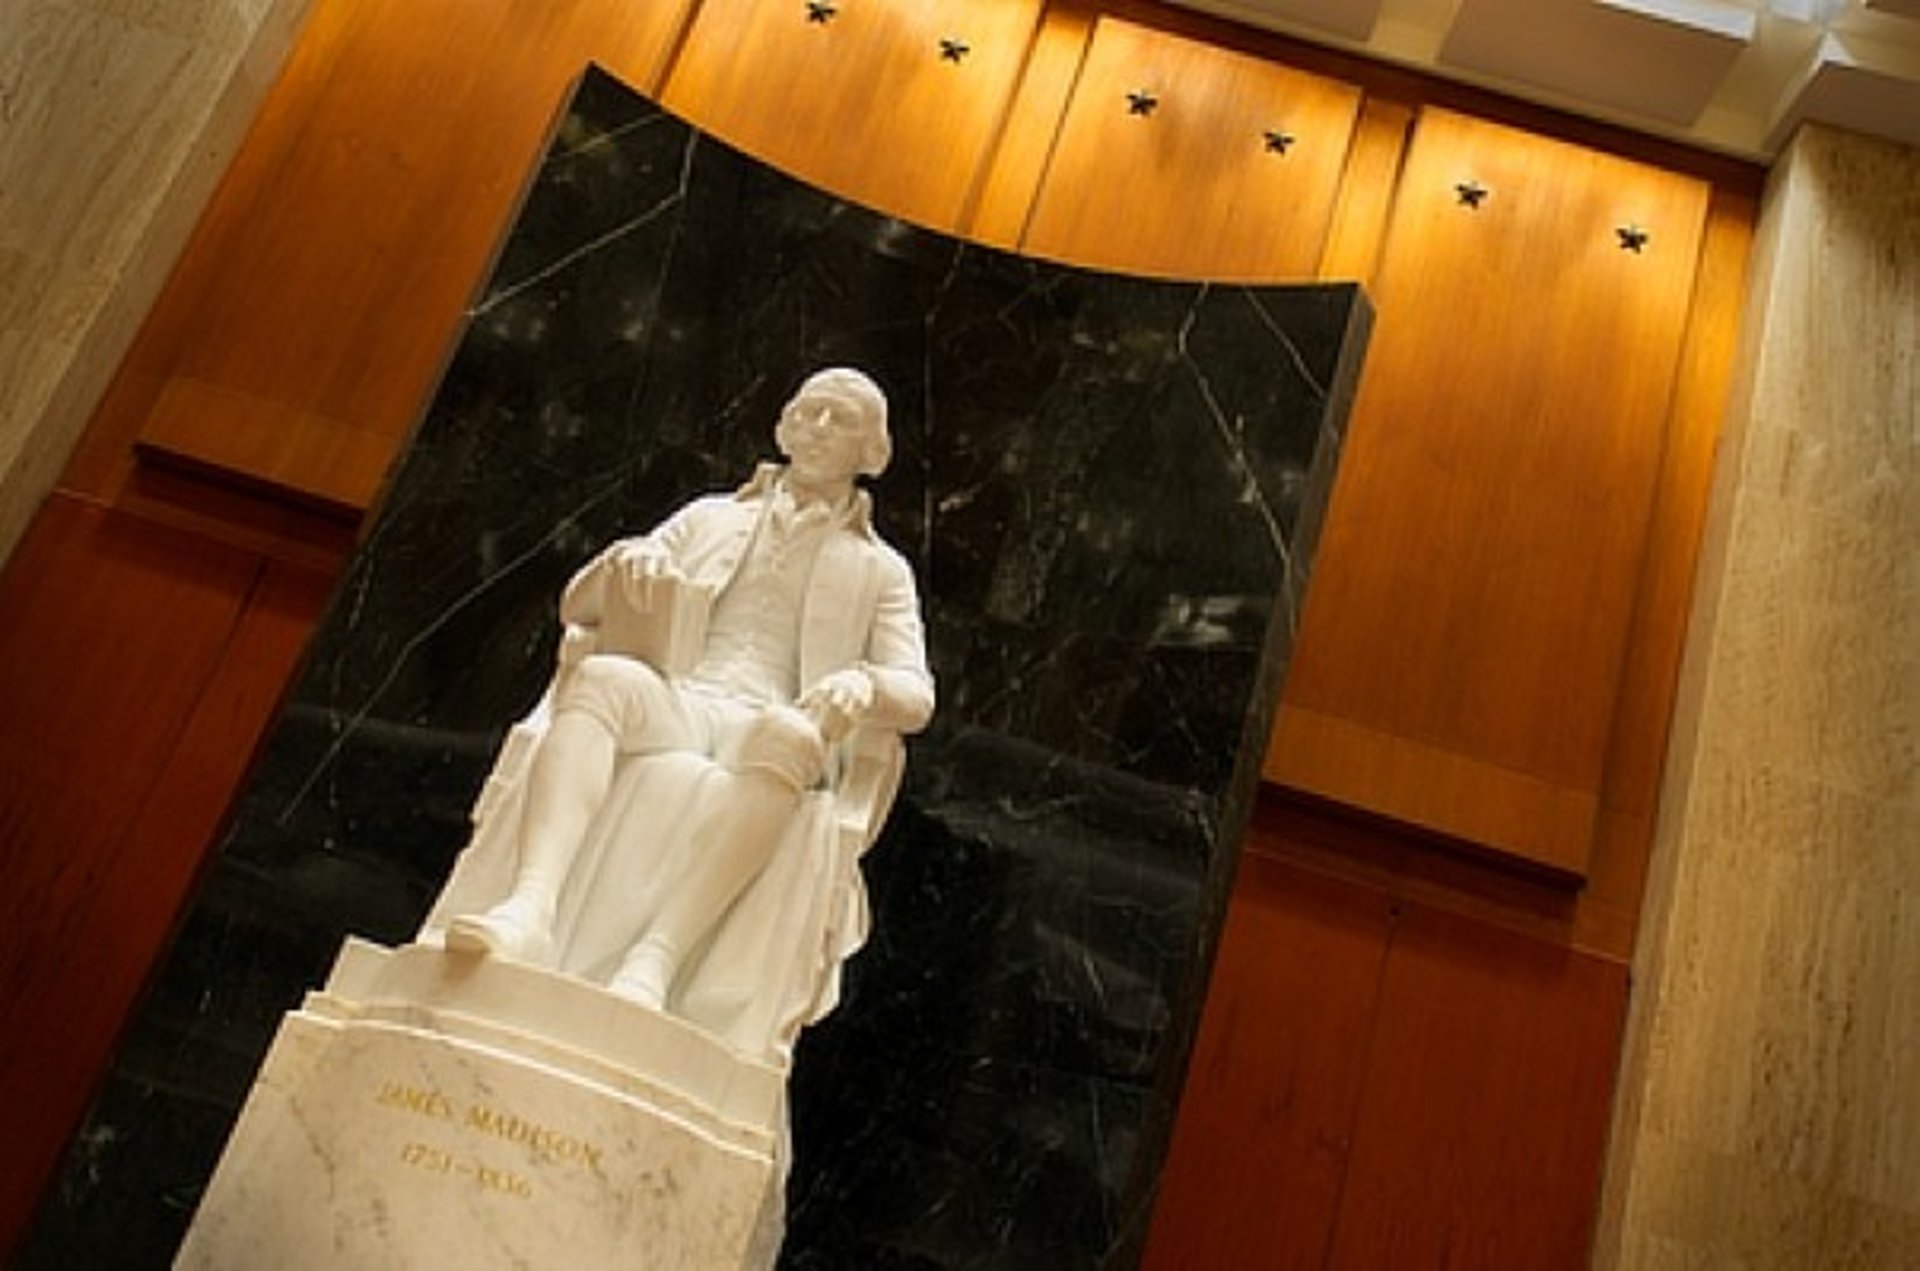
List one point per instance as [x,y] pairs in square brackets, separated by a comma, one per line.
[305,327]
[1464,640]
[1007,188]
[892,105]
[1366,192]
[1611,902]
[1700,401]
[252,439]
[1185,159]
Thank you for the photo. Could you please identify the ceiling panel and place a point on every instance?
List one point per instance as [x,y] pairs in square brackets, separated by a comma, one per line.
[1848,80]
[1664,61]
[1730,75]
[1343,19]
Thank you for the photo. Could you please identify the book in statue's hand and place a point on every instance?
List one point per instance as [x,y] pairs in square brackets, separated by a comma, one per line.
[665,627]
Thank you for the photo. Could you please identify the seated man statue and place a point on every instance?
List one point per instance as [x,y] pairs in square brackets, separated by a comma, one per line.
[804,625]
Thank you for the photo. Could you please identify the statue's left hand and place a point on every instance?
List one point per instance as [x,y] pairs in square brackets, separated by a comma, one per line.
[639,568]
[838,700]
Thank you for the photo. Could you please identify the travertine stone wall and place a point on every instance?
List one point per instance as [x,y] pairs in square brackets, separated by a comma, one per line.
[1774,1061]
[116,119]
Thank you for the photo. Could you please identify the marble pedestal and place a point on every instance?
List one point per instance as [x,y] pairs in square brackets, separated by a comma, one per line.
[428,1109]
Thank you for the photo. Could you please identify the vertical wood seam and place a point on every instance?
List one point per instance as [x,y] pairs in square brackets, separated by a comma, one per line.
[990,154]
[1396,909]
[670,56]
[1059,124]
[1347,175]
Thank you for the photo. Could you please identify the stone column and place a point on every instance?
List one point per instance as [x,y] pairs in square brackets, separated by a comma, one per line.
[1770,1100]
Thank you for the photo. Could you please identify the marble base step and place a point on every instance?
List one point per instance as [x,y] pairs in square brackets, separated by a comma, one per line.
[432,1109]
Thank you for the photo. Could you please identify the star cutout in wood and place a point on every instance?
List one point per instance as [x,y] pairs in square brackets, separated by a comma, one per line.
[1471,193]
[1632,238]
[1277,141]
[952,50]
[1141,102]
[821,11]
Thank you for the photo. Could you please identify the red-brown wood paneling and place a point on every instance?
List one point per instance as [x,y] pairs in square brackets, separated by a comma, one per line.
[1259,1153]
[138,665]
[114,629]
[1386,1082]
[1482,1131]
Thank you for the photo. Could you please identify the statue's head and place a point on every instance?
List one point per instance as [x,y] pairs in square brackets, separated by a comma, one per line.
[848,392]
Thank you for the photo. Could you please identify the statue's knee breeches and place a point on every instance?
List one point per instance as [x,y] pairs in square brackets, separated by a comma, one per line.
[643,713]
[628,698]
[782,743]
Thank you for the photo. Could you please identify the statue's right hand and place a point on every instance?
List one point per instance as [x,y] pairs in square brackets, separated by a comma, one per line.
[638,568]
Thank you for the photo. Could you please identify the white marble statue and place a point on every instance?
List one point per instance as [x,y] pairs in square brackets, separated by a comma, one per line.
[681,817]
[680,821]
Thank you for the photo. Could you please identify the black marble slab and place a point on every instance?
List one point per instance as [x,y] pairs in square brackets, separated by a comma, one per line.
[1109,488]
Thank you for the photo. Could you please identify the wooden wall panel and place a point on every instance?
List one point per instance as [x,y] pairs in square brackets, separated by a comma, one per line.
[1602,916]
[1701,394]
[1611,904]
[1381,1083]
[317,300]
[1462,647]
[1480,1139]
[1190,188]
[1259,1154]
[894,106]
[126,631]
[1365,201]
[134,697]
[1025,144]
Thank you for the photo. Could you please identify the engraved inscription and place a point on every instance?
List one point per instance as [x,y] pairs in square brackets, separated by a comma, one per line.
[491,1178]
[427,1158]
[426,1103]
[545,1145]
[548,1145]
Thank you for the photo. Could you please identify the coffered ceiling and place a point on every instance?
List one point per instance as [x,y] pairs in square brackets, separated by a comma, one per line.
[1731,75]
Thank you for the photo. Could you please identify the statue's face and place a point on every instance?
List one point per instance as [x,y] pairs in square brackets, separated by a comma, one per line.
[824,437]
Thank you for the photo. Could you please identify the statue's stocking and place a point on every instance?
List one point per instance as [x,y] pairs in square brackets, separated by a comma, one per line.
[734,840]
[571,772]
[569,777]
